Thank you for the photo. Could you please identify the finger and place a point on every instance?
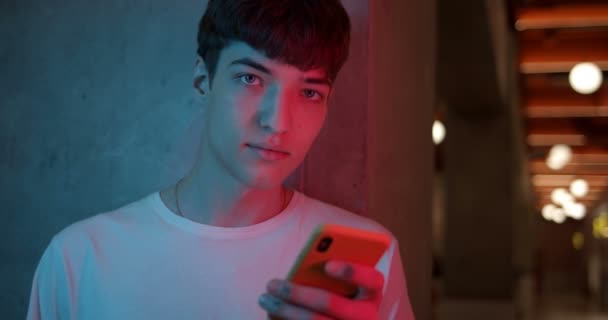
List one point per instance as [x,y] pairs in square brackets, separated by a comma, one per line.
[321,300]
[283,309]
[368,278]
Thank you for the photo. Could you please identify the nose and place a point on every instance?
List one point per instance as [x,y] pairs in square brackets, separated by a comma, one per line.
[275,114]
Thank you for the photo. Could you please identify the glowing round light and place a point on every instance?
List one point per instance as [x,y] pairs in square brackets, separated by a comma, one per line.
[585,78]
[579,188]
[560,196]
[548,211]
[438,132]
[559,156]
[559,215]
[575,210]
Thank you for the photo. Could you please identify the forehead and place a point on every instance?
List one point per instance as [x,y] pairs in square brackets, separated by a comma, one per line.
[239,50]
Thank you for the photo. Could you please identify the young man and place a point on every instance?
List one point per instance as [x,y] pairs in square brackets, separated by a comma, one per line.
[210,246]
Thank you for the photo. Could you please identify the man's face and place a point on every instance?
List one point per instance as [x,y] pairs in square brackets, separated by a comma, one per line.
[257,101]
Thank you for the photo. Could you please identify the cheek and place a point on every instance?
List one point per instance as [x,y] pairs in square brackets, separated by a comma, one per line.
[315,119]
[308,126]
[230,121]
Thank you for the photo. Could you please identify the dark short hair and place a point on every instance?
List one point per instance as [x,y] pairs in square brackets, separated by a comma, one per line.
[307,34]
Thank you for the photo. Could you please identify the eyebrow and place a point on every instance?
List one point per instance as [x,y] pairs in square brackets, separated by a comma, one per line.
[260,67]
[253,64]
[321,81]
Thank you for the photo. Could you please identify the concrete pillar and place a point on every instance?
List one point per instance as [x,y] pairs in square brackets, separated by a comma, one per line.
[400,149]
[478,239]
[488,242]
[334,169]
[480,276]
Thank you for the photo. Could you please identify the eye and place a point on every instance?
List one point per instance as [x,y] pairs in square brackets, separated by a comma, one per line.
[249,79]
[312,94]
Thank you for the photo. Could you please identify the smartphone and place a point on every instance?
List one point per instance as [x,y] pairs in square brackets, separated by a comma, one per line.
[336,242]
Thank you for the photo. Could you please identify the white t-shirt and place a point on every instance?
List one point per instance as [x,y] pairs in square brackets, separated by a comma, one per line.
[142,261]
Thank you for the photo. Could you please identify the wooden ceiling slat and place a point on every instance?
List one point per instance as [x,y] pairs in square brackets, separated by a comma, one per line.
[556,54]
[594,125]
[544,61]
[594,191]
[542,202]
[552,97]
[581,159]
[581,168]
[564,98]
[541,152]
[556,87]
[585,135]
[551,180]
[589,197]
[547,199]
[549,140]
[567,112]
[552,36]
[562,16]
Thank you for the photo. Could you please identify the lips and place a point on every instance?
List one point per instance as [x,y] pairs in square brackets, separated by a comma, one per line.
[271,155]
[266,148]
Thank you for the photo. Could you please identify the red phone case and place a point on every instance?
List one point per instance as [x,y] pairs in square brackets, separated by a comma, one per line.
[346,244]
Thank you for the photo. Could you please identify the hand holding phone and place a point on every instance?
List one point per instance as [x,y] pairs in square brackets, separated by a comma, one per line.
[355,292]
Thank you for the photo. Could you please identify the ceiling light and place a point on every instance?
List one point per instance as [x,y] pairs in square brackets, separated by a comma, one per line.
[579,188]
[438,132]
[561,197]
[559,215]
[585,78]
[548,211]
[559,156]
[575,210]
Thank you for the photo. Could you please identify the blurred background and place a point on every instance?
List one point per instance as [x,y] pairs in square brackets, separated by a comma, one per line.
[521,161]
[476,131]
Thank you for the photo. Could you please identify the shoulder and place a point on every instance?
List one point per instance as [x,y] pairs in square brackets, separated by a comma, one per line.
[81,235]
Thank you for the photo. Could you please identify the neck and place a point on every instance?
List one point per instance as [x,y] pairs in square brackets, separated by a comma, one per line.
[207,196]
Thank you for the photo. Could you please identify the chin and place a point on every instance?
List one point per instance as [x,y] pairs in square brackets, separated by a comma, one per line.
[262,180]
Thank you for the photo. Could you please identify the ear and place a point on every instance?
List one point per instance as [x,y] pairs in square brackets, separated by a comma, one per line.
[200,81]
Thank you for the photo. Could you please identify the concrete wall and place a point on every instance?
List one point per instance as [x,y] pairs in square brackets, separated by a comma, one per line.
[95,111]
